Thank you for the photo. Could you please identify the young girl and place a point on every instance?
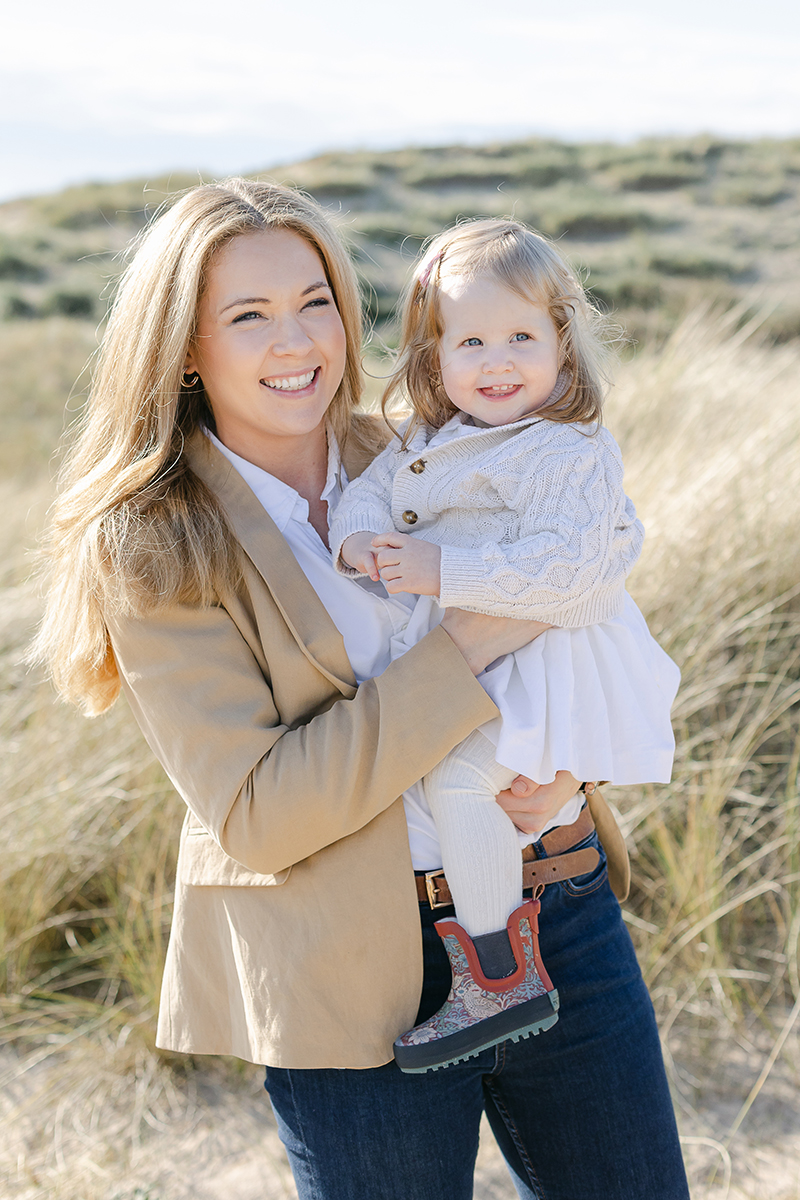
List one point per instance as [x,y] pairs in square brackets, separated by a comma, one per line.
[508,493]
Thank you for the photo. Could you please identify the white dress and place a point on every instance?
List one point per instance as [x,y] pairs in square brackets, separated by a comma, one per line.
[592,698]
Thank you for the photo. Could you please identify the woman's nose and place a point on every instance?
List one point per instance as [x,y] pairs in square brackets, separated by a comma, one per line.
[290,337]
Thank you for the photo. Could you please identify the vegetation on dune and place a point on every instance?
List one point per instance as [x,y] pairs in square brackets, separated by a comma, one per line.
[707,410]
[645,221]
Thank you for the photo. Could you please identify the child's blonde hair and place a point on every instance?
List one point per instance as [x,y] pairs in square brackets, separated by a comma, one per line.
[134,527]
[510,254]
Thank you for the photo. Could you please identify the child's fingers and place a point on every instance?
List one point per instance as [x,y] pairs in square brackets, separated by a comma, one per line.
[370,568]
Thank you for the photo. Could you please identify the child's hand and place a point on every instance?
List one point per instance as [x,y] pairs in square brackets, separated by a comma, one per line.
[408,564]
[358,553]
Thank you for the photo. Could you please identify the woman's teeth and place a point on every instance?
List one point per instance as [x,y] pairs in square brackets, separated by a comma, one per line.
[295,384]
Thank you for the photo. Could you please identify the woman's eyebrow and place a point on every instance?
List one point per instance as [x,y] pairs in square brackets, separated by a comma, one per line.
[312,287]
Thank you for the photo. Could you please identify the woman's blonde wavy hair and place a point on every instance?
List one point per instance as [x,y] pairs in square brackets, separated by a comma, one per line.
[133,527]
[510,254]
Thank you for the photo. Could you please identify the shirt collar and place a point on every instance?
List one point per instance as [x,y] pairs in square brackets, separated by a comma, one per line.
[282,502]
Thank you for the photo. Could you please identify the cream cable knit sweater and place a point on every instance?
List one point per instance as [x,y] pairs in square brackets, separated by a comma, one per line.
[531,517]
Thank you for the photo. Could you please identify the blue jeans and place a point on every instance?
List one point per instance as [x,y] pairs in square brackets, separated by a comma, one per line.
[580,1112]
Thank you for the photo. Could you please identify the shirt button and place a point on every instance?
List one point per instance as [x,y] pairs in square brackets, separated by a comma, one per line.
[410,517]
[418,467]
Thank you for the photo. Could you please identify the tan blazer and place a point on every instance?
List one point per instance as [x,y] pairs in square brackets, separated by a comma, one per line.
[295,939]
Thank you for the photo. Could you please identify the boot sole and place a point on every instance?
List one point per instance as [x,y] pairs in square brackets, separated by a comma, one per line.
[524,1020]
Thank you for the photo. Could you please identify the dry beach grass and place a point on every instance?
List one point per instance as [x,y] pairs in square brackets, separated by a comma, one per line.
[709,422]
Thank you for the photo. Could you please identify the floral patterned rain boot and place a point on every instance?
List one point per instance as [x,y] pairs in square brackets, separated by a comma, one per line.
[514,1001]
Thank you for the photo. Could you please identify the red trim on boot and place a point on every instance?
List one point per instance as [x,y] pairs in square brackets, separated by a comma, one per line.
[528,909]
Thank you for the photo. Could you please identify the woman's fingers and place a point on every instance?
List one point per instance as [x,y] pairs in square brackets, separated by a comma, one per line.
[387,558]
[530,805]
[522,787]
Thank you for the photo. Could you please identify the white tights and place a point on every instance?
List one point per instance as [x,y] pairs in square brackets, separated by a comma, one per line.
[480,848]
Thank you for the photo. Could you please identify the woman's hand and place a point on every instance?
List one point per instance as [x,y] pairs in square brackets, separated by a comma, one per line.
[482,639]
[531,805]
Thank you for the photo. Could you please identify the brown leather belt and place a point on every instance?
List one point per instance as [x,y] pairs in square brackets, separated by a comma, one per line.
[561,862]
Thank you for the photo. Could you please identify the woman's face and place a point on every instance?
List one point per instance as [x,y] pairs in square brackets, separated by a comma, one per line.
[270,344]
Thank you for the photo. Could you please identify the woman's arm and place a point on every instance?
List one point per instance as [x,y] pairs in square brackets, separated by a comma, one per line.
[271,795]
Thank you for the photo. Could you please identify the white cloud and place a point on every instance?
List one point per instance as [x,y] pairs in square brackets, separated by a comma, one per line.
[274,78]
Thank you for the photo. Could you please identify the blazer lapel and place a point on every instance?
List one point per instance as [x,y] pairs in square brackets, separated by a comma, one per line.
[300,606]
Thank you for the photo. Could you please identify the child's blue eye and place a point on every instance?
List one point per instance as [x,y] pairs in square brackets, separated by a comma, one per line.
[521,337]
[473,342]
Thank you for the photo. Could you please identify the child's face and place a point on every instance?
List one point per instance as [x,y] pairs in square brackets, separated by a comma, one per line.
[498,353]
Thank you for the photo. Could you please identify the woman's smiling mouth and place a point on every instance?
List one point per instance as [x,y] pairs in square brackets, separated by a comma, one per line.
[292,383]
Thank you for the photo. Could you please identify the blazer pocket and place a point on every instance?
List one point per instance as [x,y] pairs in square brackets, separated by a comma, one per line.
[203,863]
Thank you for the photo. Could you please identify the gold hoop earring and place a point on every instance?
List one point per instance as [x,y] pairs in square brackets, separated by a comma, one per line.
[191,381]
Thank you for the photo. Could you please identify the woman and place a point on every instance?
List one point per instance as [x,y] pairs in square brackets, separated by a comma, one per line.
[190,568]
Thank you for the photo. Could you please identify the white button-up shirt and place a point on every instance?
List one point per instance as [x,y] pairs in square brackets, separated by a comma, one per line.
[364,613]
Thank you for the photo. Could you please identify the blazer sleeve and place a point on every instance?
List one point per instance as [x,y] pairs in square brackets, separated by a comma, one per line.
[272,795]
[579,539]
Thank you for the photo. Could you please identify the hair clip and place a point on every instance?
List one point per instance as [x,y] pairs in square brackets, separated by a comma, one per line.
[425,277]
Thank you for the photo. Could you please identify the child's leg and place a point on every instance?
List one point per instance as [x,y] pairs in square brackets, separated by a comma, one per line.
[500,989]
[480,848]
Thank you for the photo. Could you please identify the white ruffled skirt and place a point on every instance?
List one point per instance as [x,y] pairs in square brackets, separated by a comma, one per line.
[593,701]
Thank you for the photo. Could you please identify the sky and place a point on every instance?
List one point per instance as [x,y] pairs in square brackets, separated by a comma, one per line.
[98,90]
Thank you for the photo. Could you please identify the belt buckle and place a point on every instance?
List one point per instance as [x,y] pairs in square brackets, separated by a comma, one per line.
[432,889]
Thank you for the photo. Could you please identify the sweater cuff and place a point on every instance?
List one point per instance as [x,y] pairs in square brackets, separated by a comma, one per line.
[464,584]
[462,576]
[341,529]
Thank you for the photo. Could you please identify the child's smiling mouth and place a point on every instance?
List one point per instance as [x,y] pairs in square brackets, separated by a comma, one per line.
[500,390]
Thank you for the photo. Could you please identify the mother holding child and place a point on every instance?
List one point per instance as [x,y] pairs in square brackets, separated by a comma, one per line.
[355,687]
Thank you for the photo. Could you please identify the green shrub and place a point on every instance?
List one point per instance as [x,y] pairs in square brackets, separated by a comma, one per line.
[78,305]
[90,205]
[17,308]
[586,215]
[494,171]
[655,175]
[395,229]
[22,270]
[626,290]
[696,265]
[752,190]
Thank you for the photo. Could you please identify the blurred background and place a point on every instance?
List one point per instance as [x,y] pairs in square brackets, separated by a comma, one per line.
[100,91]
[661,146]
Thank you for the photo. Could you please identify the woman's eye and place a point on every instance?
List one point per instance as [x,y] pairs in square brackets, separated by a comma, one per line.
[319,302]
[245,316]
[521,337]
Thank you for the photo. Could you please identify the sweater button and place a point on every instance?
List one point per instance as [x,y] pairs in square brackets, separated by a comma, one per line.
[418,467]
[410,517]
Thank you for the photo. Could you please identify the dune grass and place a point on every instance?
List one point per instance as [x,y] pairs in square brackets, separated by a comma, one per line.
[709,423]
